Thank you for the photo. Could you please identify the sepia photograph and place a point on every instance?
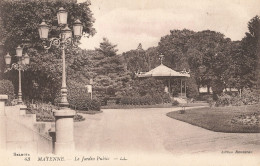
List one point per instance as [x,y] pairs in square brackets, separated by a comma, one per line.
[130,82]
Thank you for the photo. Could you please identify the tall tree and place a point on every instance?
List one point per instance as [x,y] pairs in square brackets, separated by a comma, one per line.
[136,61]
[108,71]
[205,53]
[107,48]
[174,48]
[210,62]
[251,49]
[19,25]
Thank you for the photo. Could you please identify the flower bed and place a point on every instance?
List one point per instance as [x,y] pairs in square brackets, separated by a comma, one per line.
[249,120]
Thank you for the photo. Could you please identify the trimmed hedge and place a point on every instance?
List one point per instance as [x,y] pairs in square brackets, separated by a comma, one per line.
[79,98]
[144,100]
[94,104]
[7,88]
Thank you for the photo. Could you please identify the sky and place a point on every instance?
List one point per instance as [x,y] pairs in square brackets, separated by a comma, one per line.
[130,22]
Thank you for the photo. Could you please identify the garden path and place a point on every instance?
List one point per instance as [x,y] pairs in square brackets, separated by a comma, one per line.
[149,130]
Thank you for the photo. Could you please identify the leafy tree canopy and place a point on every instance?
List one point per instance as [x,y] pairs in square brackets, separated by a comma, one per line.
[19,21]
[251,53]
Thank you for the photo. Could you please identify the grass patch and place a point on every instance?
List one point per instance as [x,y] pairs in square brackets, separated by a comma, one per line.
[233,119]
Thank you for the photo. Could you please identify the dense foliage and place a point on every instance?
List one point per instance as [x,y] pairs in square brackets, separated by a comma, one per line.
[251,54]
[79,98]
[145,100]
[213,60]
[248,97]
[145,92]
[19,22]
[44,113]
[108,71]
[7,88]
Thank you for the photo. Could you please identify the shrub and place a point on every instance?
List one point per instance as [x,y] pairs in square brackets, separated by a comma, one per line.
[146,100]
[7,88]
[147,86]
[78,118]
[44,113]
[124,100]
[79,98]
[142,100]
[78,101]
[175,103]
[166,98]
[84,103]
[157,99]
[236,101]
[145,92]
[224,100]
[93,105]
[135,100]
[250,96]
[204,97]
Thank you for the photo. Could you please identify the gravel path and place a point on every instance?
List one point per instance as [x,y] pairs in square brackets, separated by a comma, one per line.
[151,131]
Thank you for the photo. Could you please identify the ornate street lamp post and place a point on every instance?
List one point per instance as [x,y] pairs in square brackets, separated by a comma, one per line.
[64,117]
[65,39]
[23,60]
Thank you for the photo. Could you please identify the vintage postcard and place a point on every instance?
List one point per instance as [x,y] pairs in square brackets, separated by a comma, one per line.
[130,82]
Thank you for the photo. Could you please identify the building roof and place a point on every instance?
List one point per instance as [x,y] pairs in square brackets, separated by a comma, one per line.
[163,71]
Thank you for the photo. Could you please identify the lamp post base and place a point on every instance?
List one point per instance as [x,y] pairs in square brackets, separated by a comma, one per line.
[64,127]
[64,100]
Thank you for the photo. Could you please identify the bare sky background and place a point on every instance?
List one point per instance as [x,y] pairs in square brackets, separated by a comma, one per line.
[129,22]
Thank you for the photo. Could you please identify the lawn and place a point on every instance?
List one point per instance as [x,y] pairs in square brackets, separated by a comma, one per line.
[233,119]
